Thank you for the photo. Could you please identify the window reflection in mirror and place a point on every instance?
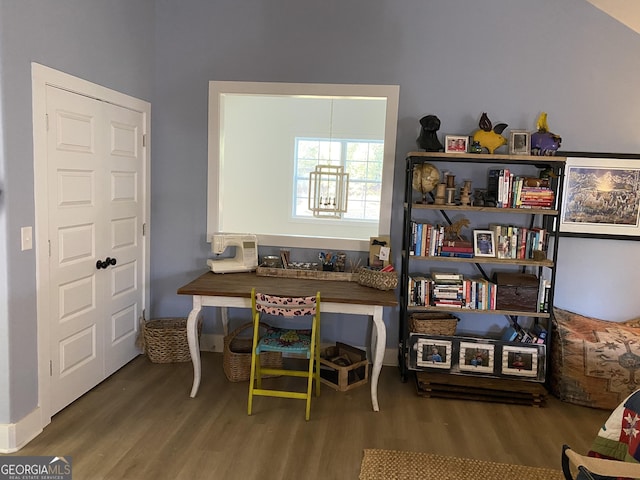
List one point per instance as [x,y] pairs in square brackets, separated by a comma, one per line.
[265,138]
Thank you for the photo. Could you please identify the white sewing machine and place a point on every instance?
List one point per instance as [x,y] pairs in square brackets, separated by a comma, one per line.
[246,259]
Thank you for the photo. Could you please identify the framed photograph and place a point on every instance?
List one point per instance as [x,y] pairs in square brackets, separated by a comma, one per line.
[456,143]
[433,353]
[476,357]
[520,361]
[519,142]
[484,243]
[601,197]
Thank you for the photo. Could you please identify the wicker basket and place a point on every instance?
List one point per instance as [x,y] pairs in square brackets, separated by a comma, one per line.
[236,357]
[377,279]
[165,340]
[433,323]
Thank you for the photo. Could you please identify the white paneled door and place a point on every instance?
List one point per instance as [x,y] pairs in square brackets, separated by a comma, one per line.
[95,183]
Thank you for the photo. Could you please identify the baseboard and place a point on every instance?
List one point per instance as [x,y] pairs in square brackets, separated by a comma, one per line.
[14,436]
[211,343]
[215,343]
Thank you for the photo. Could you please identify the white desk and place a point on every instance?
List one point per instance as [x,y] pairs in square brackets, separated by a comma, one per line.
[234,290]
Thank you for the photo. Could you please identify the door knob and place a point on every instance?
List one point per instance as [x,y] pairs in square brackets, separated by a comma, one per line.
[107,261]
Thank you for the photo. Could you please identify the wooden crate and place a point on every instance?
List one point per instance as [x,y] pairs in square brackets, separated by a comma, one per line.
[343,367]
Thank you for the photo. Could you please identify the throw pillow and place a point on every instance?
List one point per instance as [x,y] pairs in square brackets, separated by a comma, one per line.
[595,363]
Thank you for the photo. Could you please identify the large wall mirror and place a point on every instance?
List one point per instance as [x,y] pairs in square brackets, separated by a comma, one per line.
[265,139]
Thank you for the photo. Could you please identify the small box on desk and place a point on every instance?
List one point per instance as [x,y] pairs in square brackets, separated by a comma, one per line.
[343,367]
[516,291]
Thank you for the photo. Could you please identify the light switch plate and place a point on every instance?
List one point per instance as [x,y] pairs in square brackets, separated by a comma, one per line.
[27,238]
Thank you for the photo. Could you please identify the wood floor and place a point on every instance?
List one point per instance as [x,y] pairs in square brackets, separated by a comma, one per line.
[141,424]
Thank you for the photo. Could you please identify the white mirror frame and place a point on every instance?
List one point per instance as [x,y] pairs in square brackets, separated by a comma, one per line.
[214,208]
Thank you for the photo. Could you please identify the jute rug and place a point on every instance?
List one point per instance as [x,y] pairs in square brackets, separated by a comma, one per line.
[394,465]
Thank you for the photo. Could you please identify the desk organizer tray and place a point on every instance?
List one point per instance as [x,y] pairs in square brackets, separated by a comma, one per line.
[306,274]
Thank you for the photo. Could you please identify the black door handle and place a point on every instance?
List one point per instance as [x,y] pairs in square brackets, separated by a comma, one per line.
[107,261]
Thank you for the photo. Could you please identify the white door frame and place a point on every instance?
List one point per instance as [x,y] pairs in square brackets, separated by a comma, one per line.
[41,77]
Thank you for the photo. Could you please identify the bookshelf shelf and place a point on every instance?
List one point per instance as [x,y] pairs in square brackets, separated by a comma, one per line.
[516,307]
[489,158]
[465,311]
[479,260]
[495,210]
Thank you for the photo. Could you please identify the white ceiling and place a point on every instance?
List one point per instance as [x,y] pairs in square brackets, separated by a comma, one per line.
[625,11]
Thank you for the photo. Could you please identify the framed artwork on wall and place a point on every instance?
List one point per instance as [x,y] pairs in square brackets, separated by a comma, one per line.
[476,357]
[601,197]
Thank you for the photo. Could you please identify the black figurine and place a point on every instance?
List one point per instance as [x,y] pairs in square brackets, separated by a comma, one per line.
[428,139]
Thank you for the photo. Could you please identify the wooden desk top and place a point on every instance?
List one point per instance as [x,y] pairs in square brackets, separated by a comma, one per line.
[240,284]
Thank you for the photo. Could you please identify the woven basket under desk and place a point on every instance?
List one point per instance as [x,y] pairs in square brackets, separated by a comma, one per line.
[236,357]
[165,340]
[433,323]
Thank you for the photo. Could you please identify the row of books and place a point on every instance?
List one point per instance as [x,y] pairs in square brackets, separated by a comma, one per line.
[451,290]
[428,240]
[516,333]
[516,191]
[519,242]
[511,241]
[444,289]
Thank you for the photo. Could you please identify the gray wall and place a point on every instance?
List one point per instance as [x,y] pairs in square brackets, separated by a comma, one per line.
[108,43]
[454,58]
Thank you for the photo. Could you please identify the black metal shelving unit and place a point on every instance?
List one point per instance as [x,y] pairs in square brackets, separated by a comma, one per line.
[549,218]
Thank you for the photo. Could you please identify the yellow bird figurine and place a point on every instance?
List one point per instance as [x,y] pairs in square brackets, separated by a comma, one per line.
[488,137]
[542,124]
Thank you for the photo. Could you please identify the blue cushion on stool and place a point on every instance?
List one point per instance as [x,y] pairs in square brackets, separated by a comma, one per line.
[285,339]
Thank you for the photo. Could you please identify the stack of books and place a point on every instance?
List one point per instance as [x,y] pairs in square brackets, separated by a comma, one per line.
[535,197]
[447,290]
[428,240]
[419,289]
[519,242]
[515,191]
[444,289]
[481,294]
[456,248]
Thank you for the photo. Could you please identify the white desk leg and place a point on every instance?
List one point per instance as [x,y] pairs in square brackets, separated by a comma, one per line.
[194,344]
[225,320]
[378,344]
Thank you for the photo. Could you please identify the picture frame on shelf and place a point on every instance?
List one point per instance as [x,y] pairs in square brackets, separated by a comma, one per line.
[456,143]
[519,142]
[520,361]
[601,198]
[477,357]
[484,243]
[433,353]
